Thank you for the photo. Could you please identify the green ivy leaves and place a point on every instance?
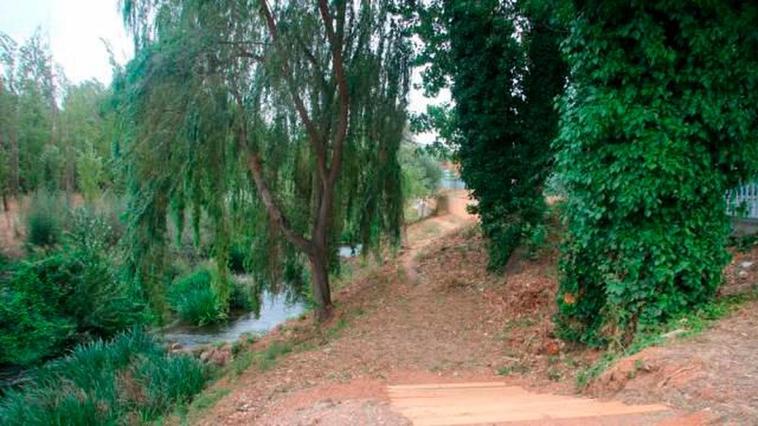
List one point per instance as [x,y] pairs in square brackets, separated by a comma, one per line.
[657,123]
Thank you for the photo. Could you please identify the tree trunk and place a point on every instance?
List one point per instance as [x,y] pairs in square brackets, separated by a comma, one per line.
[15,172]
[319,256]
[320,284]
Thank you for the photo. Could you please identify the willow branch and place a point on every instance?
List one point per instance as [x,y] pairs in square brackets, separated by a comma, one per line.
[274,212]
[272,208]
[313,133]
[335,43]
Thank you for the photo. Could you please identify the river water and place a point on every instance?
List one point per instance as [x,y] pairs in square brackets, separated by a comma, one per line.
[275,309]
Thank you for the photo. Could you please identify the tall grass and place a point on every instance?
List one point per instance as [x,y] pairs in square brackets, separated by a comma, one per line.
[125,381]
[192,298]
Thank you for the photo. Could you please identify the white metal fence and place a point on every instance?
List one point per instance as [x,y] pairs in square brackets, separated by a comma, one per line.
[743,201]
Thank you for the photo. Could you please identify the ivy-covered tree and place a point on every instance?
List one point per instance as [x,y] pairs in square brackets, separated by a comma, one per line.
[658,122]
[502,63]
[281,121]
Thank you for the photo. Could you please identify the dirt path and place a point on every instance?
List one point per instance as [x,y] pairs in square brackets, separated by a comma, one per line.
[432,317]
[452,217]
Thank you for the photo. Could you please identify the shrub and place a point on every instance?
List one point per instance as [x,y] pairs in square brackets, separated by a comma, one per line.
[238,255]
[84,286]
[92,230]
[243,296]
[29,331]
[128,379]
[59,299]
[44,221]
[193,299]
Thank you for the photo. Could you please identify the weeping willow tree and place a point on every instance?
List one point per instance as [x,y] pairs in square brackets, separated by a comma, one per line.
[279,121]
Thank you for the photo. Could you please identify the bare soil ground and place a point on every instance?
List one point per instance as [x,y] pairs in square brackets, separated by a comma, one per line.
[714,374]
[11,230]
[434,315]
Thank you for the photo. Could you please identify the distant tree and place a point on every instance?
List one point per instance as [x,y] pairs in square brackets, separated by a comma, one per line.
[85,138]
[420,171]
[30,89]
[9,174]
[37,116]
[49,127]
[301,103]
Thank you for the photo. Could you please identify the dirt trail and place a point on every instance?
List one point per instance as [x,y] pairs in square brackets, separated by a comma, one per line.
[432,317]
[449,218]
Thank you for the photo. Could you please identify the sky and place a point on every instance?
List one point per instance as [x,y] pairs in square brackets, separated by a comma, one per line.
[75,30]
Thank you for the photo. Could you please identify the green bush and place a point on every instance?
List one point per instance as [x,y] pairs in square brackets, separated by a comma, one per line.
[29,330]
[243,296]
[45,219]
[125,381]
[91,229]
[657,123]
[238,255]
[421,173]
[193,300]
[59,299]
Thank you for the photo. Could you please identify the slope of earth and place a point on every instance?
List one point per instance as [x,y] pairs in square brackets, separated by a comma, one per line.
[714,373]
[431,315]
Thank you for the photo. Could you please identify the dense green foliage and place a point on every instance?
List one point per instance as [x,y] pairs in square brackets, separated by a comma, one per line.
[129,380]
[658,122]
[504,68]
[279,123]
[53,134]
[421,172]
[256,137]
[59,300]
[64,295]
[44,219]
[193,300]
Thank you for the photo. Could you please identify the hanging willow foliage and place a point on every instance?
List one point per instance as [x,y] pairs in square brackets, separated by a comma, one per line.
[280,122]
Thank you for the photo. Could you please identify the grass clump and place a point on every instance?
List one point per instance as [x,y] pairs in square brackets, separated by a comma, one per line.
[209,399]
[267,358]
[515,368]
[241,362]
[127,380]
[192,298]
